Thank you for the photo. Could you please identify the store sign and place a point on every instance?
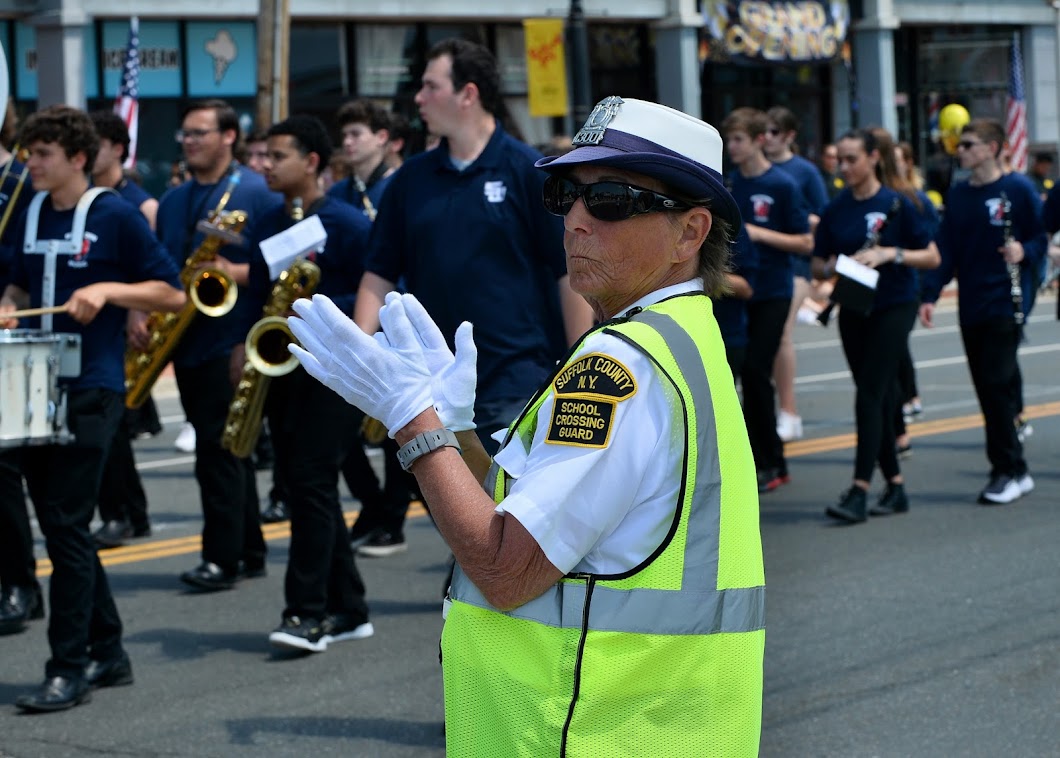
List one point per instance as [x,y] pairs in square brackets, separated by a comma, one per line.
[222,59]
[24,61]
[773,31]
[160,63]
[546,67]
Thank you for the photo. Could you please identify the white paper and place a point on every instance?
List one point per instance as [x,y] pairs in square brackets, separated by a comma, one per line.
[859,272]
[281,249]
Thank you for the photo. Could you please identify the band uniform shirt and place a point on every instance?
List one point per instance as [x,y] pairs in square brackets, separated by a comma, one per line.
[346,189]
[119,246]
[969,236]
[773,201]
[731,312]
[810,181]
[603,510]
[179,210]
[478,245]
[341,261]
[845,224]
[9,242]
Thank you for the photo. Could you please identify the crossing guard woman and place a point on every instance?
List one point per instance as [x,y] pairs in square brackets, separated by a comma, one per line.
[609,596]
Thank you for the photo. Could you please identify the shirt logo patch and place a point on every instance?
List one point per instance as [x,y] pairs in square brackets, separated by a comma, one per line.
[495,191]
[581,422]
[761,206]
[586,393]
[874,222]
[78,260]
[997,208]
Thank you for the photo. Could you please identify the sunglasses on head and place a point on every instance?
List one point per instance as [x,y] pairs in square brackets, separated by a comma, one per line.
[606,201]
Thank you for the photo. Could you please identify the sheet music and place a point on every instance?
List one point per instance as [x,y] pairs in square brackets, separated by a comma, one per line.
[859,272]
[281,249]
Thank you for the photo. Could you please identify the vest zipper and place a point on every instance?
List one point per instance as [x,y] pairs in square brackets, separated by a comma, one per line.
[590,583]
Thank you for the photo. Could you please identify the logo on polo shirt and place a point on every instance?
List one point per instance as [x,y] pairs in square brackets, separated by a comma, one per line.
[495,191]
[874,222]
[997,208]
[761,206]
[78,260]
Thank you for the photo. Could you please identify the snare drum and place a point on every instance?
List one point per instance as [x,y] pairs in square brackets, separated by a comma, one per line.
[32,404]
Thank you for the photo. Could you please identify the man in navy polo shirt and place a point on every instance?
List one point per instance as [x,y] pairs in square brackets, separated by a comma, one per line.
[365,128]
[465,226]
[232,543]
[117,264]
[776,218]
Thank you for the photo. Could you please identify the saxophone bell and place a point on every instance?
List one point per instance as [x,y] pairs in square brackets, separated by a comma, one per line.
[213,292]
[266,345]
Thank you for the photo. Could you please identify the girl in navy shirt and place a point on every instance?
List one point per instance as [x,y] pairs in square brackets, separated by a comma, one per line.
[873,343]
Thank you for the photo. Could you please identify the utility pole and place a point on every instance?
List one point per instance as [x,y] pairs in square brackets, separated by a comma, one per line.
[578,42]
[266,45]
[281,65]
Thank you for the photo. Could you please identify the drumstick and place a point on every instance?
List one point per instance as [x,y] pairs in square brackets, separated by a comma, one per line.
[27,312]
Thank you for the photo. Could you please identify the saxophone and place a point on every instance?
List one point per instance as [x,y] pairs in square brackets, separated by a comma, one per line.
[210,291]
[267,354]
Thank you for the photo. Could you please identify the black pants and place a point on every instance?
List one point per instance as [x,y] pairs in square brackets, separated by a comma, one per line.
[18,568]
[382,507]
[231,530]
[121,493]
[991,350]
[765,327]
[322,577]
[63,482]
[872,345]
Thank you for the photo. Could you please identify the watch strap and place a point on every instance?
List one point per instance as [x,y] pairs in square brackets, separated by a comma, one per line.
[425,443]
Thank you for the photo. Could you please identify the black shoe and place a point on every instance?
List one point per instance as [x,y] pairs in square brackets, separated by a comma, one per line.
[253,569]
[112,673]
[851,506]
[275,513]
[893,500]
[314,635]
[19,605]
[360,537]
[209,577]
[381,544]
[112,534]
[144,530]
[771,478]
[56,694]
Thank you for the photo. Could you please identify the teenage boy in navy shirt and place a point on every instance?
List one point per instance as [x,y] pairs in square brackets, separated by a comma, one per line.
[980,213]
[465,225]
[776,218]
[118,264]
[323,590]
[232,544]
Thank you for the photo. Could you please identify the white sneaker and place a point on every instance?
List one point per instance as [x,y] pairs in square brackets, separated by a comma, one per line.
[789,426]
[185,441]
[1025,483]
[1001,490]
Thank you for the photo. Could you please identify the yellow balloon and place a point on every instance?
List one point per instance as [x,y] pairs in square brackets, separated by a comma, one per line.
[952,119]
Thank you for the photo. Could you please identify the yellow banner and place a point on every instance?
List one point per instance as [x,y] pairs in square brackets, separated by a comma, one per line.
[546,66]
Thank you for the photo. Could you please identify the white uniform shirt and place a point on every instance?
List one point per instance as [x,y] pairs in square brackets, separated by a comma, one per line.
[604,510]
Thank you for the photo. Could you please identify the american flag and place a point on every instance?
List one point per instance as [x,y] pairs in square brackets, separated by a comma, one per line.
[127,104]
[1016,117]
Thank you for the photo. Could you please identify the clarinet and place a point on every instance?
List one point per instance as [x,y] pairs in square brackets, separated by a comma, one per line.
[1015,276]
[872,238]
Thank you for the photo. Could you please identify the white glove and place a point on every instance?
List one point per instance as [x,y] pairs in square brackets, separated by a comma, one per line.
[453,378]
[390,384]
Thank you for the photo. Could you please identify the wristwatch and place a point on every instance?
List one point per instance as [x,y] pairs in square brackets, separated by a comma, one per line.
[899,256]
[425,443]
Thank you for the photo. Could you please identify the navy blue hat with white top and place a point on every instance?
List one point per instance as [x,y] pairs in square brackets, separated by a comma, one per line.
[651,139]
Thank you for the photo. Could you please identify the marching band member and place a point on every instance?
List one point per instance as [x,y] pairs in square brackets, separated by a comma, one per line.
[114,263]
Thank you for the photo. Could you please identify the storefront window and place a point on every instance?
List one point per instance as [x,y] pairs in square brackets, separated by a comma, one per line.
[385,54]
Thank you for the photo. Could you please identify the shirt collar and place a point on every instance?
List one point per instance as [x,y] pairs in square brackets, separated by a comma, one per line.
[692,285]
[490,155]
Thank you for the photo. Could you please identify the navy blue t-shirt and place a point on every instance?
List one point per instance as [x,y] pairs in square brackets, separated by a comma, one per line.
[119,246]
[178,213]
[478,245]
[846,223]
[773,201]
[346,191]
[133,193]
[969,236]
[810,181]
[731,312]
[341,262]
[8,242]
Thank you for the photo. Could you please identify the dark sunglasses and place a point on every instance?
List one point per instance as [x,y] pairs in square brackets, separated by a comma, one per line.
[607,201]
[968,144]
[773,131]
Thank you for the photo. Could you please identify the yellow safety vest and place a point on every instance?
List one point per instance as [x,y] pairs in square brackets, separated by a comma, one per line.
[663,660]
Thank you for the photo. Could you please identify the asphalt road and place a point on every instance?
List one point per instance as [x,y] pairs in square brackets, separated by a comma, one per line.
[935,633]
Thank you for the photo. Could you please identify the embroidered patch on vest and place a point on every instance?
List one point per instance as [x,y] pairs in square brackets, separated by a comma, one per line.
[581,421]
[586,394]
[595,374]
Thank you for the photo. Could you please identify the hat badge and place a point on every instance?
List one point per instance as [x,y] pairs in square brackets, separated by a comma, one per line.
[592,133]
